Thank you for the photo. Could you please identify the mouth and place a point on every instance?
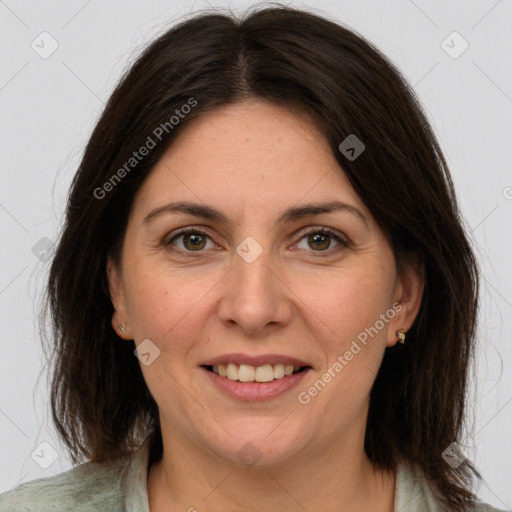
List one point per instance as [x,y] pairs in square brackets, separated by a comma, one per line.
[250,373]
[255,378]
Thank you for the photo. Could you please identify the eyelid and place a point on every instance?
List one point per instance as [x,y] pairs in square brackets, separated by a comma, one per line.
[183,231]
[342,239]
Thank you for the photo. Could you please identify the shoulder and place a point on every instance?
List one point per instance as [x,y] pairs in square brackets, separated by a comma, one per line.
[88,487]
[482,507]
[413,494]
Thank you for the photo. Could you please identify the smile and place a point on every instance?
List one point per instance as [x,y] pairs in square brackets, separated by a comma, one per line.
[250,373]
[255,377]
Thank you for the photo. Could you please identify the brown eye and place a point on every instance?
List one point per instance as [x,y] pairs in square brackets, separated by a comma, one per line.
[192,240]
[319,241]
[322,240]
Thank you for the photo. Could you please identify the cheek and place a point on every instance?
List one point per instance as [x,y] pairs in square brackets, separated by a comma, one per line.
[168,308]
[346,309]
[345,302]
[166,304]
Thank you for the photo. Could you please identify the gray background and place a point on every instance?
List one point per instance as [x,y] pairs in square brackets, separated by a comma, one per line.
[48,107]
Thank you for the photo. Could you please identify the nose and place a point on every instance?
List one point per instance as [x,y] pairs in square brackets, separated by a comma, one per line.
[255,297]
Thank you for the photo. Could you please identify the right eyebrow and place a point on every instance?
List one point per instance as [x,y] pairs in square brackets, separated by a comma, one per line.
[197,210]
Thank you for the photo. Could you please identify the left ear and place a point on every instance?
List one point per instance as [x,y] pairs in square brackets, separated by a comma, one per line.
[408,293]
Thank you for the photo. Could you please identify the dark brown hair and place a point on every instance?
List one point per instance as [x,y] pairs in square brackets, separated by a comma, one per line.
[100,403]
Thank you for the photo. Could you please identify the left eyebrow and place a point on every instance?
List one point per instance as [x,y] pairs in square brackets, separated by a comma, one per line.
[309,210]
[290,215]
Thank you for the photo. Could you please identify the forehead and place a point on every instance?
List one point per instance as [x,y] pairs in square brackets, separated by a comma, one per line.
[254,154]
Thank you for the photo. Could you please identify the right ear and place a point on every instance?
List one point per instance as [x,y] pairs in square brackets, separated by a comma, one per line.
[118,298]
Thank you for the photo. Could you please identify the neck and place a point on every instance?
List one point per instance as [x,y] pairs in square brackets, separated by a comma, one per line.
[337,476]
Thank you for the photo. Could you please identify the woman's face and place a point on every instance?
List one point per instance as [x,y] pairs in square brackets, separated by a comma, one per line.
[251,284]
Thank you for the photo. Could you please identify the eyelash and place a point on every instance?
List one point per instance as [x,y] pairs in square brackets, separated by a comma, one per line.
[314,231]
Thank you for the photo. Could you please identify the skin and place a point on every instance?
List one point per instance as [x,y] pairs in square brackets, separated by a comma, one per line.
[252,160]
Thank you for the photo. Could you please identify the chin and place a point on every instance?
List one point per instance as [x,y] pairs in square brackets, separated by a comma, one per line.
[257,444]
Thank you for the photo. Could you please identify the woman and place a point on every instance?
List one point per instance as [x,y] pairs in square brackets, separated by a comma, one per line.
[264,218]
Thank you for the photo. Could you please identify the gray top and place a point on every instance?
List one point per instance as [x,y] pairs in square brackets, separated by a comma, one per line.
[122,487]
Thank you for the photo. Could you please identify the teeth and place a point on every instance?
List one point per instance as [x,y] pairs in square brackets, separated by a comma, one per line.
[246,373]
[232,371]
[264,373]
[278,371]
[249,373]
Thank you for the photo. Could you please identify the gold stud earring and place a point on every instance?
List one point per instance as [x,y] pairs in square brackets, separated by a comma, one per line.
[401,336]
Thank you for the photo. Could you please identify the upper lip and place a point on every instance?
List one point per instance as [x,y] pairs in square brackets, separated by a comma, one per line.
[258,360]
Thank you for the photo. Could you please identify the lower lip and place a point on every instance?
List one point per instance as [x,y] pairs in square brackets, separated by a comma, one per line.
[253,391]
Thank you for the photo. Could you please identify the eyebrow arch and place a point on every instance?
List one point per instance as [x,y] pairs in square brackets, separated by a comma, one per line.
[290,215]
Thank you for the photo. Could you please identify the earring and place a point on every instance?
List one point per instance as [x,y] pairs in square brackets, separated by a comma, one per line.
[401,336]
[123,328]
